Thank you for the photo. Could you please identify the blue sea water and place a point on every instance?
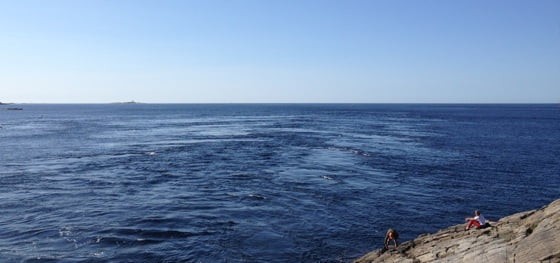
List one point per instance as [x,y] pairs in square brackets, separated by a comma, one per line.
[261,182]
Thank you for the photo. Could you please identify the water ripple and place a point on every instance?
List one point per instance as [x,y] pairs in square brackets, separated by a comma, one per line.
[260,183]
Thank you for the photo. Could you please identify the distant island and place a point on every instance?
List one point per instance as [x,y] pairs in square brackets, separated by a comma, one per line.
[127,102]
[2,103]
[11,108]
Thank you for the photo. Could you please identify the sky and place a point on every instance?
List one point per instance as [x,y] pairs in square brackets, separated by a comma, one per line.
[280,51]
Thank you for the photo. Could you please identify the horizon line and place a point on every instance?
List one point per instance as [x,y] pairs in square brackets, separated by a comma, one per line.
[135,102]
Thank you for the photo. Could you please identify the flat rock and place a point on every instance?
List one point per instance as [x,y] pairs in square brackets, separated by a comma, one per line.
[531,236]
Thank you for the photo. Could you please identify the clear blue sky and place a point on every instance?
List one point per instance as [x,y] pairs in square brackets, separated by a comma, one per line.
[280,51]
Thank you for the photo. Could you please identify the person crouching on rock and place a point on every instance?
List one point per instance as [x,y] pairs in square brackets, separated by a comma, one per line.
[476,221]
[391,235]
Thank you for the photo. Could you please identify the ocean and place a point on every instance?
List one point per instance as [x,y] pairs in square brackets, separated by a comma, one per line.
[261,182]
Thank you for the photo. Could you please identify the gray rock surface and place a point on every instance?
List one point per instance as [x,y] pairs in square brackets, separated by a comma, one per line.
[532,236]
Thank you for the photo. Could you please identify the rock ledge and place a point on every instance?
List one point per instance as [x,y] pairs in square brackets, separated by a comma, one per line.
[532,236]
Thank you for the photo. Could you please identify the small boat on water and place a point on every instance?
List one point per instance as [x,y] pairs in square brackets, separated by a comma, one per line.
[12,108]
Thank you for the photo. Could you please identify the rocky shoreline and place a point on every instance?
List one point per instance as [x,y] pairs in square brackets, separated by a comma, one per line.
[531,236]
